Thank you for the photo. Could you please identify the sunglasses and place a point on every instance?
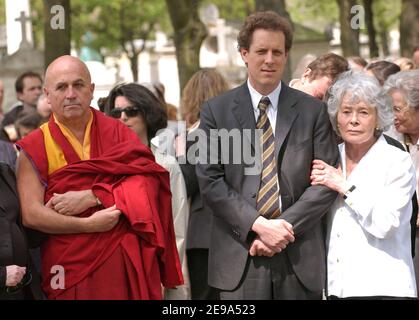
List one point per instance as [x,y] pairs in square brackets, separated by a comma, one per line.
[129,111]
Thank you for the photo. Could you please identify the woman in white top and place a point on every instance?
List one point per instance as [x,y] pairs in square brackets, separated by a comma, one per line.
[403,87]
[368,238]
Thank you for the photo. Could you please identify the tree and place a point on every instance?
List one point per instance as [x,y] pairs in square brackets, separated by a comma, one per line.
[369,21]
[2,12]
[349,36]
[57,29]
[409,27]
[386,16]
[118,25]
[189,33]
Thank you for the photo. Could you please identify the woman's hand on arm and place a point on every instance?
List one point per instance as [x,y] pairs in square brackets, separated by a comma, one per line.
[328,176]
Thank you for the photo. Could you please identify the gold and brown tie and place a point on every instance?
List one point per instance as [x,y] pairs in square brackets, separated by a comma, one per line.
[267,203]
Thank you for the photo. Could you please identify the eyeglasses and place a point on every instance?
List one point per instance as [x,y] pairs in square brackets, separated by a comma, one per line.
[400,109]
[129,111]
[26,280]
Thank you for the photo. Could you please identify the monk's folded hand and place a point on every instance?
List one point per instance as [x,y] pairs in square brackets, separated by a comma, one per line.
[72,203]
[103,220]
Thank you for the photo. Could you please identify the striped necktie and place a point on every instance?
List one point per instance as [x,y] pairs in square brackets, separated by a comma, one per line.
[267,203]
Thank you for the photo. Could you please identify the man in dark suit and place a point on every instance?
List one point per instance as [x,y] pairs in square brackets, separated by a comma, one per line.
[267,240]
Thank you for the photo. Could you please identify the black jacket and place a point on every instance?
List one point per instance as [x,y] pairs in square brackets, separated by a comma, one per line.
[13,245]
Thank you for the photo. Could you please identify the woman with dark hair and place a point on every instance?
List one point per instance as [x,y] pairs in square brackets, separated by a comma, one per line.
[139,109]
[381,70]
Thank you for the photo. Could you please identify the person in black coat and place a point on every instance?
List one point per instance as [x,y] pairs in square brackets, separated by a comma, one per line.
[17,280]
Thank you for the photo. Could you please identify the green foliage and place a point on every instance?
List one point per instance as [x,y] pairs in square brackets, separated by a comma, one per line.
[386,14]
[2,12]
[116,23]
[315,14]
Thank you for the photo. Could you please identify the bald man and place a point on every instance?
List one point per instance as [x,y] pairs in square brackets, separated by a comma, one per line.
[86,182]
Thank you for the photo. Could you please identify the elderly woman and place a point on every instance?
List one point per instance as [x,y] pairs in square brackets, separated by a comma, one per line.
[403,88]
[15,276]
[368,236]
[139,109]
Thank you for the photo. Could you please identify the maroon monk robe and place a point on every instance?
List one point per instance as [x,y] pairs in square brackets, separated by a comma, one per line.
[131,260]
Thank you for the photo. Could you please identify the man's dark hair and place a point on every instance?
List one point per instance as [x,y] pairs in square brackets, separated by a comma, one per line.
[382,70]
[19,80]
[267,20]
[150,107]
[329,64]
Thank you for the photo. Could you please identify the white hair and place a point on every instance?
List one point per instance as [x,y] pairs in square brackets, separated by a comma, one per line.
[363,88]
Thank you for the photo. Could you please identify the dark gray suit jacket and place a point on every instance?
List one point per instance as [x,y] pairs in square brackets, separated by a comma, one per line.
[303,133]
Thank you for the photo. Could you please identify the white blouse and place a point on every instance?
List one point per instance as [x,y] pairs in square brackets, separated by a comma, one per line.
[369,236]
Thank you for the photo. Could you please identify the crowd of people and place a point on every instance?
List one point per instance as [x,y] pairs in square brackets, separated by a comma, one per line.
[117,204]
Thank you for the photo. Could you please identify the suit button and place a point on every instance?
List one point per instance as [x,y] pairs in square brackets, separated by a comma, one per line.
[253,195]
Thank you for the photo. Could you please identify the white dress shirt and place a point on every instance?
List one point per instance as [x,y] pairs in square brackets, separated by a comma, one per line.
[368,236]
[273,107]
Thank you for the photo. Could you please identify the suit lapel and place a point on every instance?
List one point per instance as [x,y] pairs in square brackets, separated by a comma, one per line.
[243,110]
[285,116]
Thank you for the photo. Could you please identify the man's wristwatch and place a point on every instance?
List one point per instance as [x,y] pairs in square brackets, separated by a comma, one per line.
[345,195]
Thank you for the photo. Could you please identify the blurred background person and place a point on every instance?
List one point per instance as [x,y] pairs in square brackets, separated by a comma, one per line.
[403,88]
[28,88]
[203,85]
[26,122]
[320,74]
[368,230]
[381,70]
[139,109]
[357,63]
[405,63]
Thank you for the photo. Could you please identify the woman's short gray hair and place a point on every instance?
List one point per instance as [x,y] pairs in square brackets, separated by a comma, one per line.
[361,87]
[408,83]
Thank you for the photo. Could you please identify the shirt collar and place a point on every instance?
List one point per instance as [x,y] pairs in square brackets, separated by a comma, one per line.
[256,96]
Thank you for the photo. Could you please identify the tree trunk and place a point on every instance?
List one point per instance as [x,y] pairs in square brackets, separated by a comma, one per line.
[57,29]
[369,21]
[189,33]
[409,27]
[133,59]
[384,42]
[279,7]
[349,37]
